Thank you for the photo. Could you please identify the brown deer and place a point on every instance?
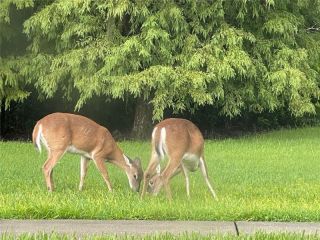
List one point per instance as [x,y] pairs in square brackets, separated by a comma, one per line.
[64,132]
[183,143]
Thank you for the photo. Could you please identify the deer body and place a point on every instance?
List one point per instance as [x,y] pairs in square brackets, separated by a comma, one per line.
[64,132]
[182,142]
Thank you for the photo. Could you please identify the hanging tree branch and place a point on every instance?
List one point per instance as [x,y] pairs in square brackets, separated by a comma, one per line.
[313,29]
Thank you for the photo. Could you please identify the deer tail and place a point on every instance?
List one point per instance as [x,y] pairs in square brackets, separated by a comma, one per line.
[36,136]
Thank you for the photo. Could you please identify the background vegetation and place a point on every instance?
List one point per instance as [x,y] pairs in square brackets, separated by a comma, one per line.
[229,63]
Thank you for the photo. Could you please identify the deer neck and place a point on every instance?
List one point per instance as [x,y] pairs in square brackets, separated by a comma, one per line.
[122,161]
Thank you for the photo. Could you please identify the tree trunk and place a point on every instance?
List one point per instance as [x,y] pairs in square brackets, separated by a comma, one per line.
[2,119]
[142,125]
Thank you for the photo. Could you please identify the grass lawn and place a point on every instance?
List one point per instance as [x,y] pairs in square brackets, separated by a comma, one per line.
[257,236]
[273,176]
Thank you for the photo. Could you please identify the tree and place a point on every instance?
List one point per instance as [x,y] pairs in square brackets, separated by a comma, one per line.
[13,44]
[240,56]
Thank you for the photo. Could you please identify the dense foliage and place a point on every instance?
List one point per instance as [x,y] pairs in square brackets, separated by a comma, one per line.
[238,56]
[12,47]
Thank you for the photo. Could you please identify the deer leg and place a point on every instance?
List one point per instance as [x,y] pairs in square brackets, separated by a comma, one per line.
[51,179]
[53,158]
[185,173]
[169,172]
[103,170]
[83,170]
[204,172]
[167,189]
[154,165]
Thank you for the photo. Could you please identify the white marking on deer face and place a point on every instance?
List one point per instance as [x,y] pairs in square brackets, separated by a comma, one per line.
[135,174]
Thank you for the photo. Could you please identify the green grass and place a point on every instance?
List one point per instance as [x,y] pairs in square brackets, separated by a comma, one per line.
[273,176]
[257,236]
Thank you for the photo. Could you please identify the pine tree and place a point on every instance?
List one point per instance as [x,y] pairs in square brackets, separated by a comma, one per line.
[237,55]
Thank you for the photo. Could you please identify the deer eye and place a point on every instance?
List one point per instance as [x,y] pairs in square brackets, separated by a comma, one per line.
[135,176]
[150,182]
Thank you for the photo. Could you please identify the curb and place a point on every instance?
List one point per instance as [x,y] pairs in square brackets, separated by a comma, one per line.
[145,227]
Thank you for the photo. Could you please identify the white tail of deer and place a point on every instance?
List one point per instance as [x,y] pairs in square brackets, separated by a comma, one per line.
[183,143]
[64,132]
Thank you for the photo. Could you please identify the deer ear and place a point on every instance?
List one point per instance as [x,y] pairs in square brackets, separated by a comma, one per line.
[137,161]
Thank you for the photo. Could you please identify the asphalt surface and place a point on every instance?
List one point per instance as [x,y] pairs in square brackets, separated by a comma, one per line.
[144,227]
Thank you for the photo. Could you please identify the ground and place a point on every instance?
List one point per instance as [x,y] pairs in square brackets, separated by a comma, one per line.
[258,236]
[272,176]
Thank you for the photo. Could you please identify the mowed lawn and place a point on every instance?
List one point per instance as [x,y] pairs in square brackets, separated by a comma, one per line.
[272,176]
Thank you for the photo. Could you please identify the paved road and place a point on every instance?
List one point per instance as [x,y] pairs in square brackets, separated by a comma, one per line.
[141,227]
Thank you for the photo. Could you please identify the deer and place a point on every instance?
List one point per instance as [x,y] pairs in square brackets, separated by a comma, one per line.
[182,142]
[66,132]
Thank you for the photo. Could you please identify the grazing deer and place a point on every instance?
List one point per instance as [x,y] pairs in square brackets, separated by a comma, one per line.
[183,143]
[64,132]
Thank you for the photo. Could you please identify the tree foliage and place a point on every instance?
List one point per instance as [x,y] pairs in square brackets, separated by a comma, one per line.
[12,48]
[238,55]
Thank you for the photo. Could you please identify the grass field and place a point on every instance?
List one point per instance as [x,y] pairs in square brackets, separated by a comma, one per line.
[273,176]
[257,236]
